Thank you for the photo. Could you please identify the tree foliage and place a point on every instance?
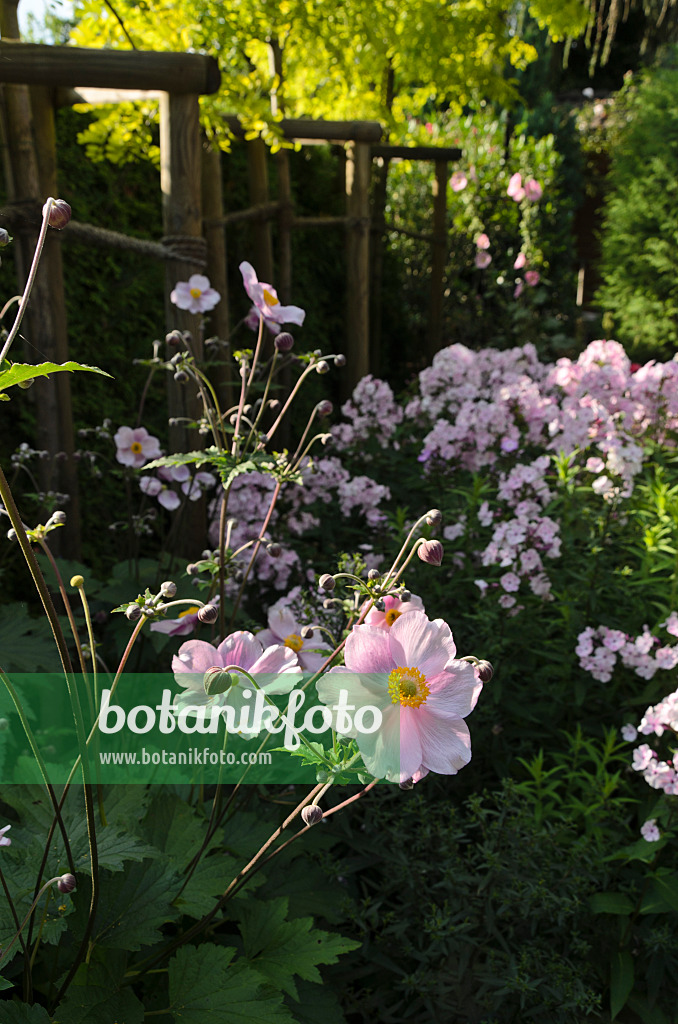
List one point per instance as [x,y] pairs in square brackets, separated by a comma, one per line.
[338,59]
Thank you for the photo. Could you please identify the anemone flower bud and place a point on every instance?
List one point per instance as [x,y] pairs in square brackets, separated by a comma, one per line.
[312,814]
[284,342]
[192,569]
[431,552]
[374,575]
[133,613]
[59,215]
[208,614]
[57,518]
[327,582]
[324,408]
[11,534]
[4,237]
[174,339]
[485,671]
[379,605]
[306,633]
[217,681]
[322,776]
[407,784]
[181,377]
[405,596]
[323,366]
[434,517]
[274,550]
[66,883]
[168,589]
[340,360]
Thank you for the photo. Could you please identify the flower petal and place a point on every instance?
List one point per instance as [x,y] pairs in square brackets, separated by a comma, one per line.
[445,742]
[455,691]
[368,650]
[240,648]
[416,641]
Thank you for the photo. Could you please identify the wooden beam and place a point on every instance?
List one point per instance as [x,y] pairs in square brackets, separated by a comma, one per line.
[438,257]
[305,128]
[33,64]
[450,153]
[358,167]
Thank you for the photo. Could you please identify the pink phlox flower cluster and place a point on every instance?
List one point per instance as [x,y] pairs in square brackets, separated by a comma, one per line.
[526,481]
[598,651]
[373,413]
[658,773]
[518,545]
[363,495]
[458,529]
[327,481]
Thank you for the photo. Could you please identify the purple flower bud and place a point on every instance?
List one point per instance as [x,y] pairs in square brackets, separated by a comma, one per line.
[168,589]
[405,596]
[407,784]
[327,582]
[59,215]
[323,366]
[274,550]
[66,883]
[340,360]
[217,681]
[306,633]
[133,613]
[208,614]
[324,408]
[192,569]
[174,339]
[57,518]
[181,377]
[379,605]
[431,552]
[485,671]
[374,575]
[4,237]
[11,534]
[284,342]
[312,814]
[435,517]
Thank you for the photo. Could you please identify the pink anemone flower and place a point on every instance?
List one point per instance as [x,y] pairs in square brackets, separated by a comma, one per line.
[196,295]
[284,629]
[136,447]
[274,668]
[409,674]
[265,298]
[515,188]
[185,622]
[394,607]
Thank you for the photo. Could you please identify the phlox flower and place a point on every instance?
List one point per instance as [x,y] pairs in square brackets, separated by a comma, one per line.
[532,278]
[285,629]
[520,261]
[482,259]
[135,447]
[629,733]
[4,838]
[458,181]
[518,290]
[411,674]
[533,190]
[515,188]
[196,295]
[265,298]
[274,668]
[482,241]
[393,609]
[650,832]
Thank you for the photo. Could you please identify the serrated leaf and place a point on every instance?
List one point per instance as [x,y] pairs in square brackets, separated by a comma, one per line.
[26,644]
[621,981]
[279,949]
[4,984]
[205,986]
[95,996]
[611,903]
[206,884]
[19,372]
[318,1005]
[22,1013]
[133,906]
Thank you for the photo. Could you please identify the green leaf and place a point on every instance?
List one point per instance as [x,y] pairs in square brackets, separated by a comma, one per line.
[611,903]
[621,981]
[318,1005]
[661,896]
[19,372]
[648,1014]
[27,645]
[95,996]
[205,986]
[280,949]
[22,1013]
[4,984]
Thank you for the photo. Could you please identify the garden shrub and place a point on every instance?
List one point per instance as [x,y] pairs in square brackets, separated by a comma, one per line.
[639,291]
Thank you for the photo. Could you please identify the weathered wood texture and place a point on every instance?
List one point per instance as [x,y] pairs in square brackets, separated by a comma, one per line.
[34,64]
[358,169]
[438,258]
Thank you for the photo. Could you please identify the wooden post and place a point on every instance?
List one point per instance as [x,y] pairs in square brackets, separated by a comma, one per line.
[215,237]
[438,257]
[377,262]
[358,164]
[262,259]
[180,180]
[31,157]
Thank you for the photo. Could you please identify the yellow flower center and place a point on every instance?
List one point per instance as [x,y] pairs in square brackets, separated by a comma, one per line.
[294,642]
[196,293]
[136,447]
[270,299]
[407,686]
[193,610]
[392,615]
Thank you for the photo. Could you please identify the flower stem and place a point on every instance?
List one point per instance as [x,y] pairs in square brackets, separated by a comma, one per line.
[31,278]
